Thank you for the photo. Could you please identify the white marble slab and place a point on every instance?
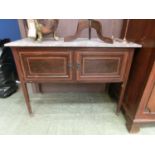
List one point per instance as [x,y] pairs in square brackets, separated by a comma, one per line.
[81,42]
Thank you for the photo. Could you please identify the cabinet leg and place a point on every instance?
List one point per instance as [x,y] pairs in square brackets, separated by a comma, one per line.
[132,127]
[121,98]
[124,83]
[26,95]
[38,88]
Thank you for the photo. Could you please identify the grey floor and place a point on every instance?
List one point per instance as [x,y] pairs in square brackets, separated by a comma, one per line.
[63,113]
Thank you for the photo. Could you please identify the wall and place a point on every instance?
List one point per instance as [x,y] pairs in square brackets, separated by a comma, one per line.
[9,29]
[109,26]
[68,27]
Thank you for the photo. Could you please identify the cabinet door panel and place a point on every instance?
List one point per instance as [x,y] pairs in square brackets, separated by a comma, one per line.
[101,66]
[146,107]
[93,65]
[150,91]
[46,64]
[151,102]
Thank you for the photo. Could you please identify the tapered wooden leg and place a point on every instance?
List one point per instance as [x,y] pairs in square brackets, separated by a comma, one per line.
[26,95]
[132,126]
[123,86]
[121,98]
[38,88]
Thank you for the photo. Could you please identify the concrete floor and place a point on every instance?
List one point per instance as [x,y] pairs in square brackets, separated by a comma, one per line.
[63,113]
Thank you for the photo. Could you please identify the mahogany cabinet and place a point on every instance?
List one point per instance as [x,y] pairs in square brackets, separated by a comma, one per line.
[96,65]
[73,65]
[146,107]
[139,98]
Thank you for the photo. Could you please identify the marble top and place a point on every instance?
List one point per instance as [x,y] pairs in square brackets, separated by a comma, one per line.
[81,42]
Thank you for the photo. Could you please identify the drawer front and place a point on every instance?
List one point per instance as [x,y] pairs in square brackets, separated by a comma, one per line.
[101,66]
[51,65]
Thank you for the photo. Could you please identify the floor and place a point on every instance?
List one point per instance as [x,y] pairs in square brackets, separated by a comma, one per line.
[63,113]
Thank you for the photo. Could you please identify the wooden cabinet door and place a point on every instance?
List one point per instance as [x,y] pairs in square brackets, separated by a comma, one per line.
[101,65]
[151,102]
[146,107]
[151,91]
[46,64]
